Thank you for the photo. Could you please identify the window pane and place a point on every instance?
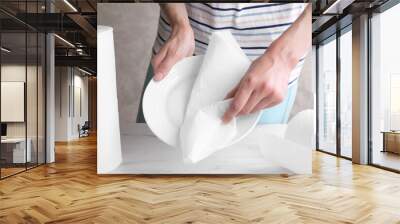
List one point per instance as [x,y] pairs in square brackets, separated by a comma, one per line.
[327,97]
[31,99]
[14,153]
[346,93]
[41,98]
[385,84]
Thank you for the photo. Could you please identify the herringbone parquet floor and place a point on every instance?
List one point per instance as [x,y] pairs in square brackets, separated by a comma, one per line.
[70,191]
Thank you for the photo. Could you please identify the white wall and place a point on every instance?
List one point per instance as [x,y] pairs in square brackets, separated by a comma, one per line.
[61,103]
[80,82]
[67,116]
[15,72]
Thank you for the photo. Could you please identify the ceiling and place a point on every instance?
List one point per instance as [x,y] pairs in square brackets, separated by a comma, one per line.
[332,15]
[74,22]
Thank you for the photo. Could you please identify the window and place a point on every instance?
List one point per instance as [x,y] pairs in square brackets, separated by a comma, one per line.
[385,89]
[327,97]
[394,101]
[346,93]
[22,78]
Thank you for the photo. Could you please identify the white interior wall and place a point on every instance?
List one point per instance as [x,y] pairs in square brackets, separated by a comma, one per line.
[80,82]
[61,103]
[66,119]
[14,73]
[10,73]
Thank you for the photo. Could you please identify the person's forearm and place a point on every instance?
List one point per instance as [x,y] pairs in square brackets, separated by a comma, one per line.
[177,15]
[180,43]
[295,42]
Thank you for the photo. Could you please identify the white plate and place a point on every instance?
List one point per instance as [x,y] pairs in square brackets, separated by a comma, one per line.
[164,103]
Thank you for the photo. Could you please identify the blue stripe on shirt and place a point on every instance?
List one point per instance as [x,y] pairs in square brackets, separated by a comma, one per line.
[199,28]
[166,26]
[295,79]
[252,47]
[232,27]
[206,44]
[244,48]
[244,8]
[215,14]
[237,28]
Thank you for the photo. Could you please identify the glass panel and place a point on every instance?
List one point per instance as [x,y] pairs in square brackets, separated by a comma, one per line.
[41,98]
[23,90]
[327,97]
[394,101]
[31,88]
[31,100]
[385,84]
[13,90]
[346,94]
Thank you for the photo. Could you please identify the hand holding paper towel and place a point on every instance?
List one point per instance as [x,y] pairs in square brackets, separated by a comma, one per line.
[185,108]
[202,132]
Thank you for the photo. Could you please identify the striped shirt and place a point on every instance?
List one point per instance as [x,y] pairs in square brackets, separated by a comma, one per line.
[254,25]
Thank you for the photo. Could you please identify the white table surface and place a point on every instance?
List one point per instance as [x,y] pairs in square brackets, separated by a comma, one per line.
[144,153]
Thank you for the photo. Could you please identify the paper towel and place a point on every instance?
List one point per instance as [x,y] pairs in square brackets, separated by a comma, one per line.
[202,132]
